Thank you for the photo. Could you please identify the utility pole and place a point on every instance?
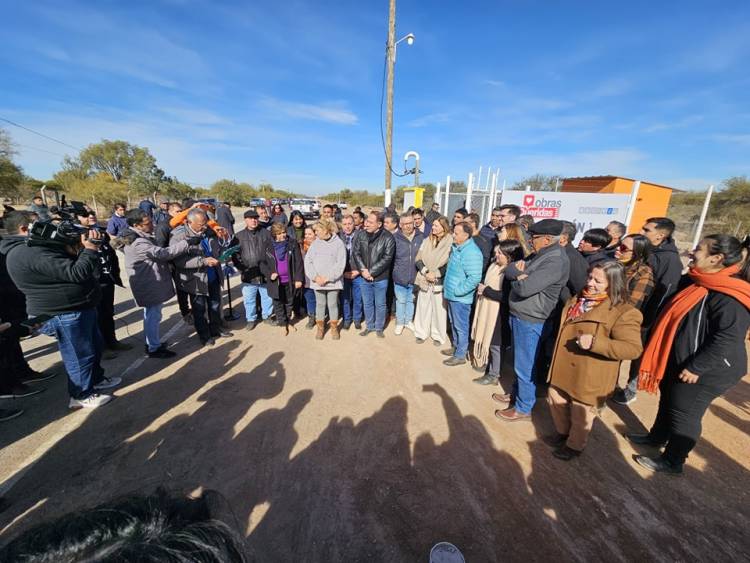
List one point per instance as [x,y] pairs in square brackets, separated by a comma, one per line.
[390,61]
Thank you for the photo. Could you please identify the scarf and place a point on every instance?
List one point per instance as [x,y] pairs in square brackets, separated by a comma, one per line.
[279,249]
[485,317]
[586,301]
[434,255]
[656,355]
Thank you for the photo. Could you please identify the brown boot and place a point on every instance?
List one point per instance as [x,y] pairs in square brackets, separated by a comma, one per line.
[335,334]
[321,330]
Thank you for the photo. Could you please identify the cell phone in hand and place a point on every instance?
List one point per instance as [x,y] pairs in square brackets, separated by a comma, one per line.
[34,321]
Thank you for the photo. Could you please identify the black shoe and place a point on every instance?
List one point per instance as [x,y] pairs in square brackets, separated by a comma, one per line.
[224,334]
[358,325]
[480,369]
[269,321]
[555,440]
[623,397]
[366,332]
[310,322]
[486,379]
[449,352]
[453,361]
[19,391]
[642,440]
[210,343]
[36,376]
[565,453]
[658,465]
[420,340]
[162,353]
[251,325]
[380,334]
[9,414]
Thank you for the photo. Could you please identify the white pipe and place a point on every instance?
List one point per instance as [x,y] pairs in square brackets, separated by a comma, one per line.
[631,203]
[487,183]
[447,195]
[470,190]
[704,212]
[436,199]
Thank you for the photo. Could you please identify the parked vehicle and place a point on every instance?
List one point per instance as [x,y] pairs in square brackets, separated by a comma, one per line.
[308,207]
[256,201]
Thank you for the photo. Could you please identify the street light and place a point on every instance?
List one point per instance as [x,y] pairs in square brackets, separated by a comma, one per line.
[391,61]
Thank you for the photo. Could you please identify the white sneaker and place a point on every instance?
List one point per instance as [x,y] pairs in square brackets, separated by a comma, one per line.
[410,326]
[90,402]
[399,330]
[108,383]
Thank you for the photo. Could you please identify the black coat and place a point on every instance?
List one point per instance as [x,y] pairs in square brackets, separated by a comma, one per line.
[485,246]
[374,253]
[596,257]
[667,266]
[579,272]
[254,248]
[296,268]
[710,341]
[161,234]
[109,265]
[12,300]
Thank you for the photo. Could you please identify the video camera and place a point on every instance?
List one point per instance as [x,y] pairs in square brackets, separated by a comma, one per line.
[66,230]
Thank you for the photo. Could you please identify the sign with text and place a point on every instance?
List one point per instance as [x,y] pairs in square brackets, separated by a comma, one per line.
[585,210]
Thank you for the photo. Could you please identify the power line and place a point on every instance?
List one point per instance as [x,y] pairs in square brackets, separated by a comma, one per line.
[40,134]
[38,149]
[382,135]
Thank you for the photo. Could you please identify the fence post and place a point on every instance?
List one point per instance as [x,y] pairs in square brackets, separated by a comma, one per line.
[436,198]
[470,190]
[704,212]
[447,195]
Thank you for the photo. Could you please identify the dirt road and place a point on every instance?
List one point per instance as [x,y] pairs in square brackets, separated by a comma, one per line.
[367,450]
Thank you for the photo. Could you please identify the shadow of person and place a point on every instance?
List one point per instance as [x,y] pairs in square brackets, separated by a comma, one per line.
[82,461]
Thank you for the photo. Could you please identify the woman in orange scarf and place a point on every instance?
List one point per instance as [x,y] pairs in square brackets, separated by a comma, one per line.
[696,351]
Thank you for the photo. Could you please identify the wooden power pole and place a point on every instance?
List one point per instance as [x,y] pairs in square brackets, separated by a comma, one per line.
[390,61]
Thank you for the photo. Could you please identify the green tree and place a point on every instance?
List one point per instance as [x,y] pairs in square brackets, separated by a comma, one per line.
[539,183]
[233,192]
[11,175]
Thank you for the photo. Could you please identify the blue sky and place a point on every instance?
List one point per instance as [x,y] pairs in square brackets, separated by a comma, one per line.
[289,92]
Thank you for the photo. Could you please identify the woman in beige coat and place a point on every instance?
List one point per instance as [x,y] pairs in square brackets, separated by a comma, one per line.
[599,329]
[430,318]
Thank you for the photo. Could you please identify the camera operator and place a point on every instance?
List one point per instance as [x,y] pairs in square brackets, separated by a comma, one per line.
[109,277]
[56,268]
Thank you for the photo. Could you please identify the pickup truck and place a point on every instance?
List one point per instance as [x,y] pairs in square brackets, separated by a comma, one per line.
[308,207]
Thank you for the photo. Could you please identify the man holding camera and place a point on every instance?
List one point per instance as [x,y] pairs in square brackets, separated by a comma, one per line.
[109,277]
[56,268]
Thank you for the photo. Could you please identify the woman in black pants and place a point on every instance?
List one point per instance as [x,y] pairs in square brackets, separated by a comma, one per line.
[696,351]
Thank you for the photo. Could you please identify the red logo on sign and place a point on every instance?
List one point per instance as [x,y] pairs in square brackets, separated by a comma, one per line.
[541,208]
[528,200]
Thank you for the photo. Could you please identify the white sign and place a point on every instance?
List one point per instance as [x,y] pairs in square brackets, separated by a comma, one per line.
[585,210]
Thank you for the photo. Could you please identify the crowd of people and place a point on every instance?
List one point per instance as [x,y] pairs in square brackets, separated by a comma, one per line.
[512,290]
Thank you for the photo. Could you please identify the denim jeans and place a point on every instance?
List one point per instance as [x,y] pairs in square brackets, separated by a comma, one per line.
[528,339]
[404,303]
[249,291]
[151,320]
[208,306]
[459,317]
[373,301]
[310,301]
[80,344]
[351,300]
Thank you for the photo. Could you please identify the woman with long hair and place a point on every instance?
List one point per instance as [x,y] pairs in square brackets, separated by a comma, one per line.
[296,229]
[633,253]
[490,328]
[324,264]
[308,293]
[278,215]
[696,350]
[430,318]
[284,273]
[513,231]
[598,329]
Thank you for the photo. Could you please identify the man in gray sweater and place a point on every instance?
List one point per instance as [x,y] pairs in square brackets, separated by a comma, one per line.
[535,290]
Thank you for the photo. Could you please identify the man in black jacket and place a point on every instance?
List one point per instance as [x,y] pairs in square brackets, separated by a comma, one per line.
[484,244]
[373,256]
[667,266]
[254,241]
[15,371]
[109,277]
[579,268]
[60,281]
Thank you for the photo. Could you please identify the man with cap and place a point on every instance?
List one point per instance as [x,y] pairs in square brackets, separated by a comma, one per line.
[255,244]
[535,289]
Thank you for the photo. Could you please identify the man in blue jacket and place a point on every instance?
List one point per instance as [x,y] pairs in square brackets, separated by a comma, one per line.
[463,275]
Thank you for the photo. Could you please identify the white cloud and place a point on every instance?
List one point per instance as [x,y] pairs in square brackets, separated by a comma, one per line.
[611,87]
[622,162]
[430,119]
[330,112]
[732,138]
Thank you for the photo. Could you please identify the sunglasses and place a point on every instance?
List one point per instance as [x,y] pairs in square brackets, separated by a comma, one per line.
[623,248]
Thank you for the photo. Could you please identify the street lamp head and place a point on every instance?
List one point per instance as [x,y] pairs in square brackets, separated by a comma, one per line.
[410,39]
